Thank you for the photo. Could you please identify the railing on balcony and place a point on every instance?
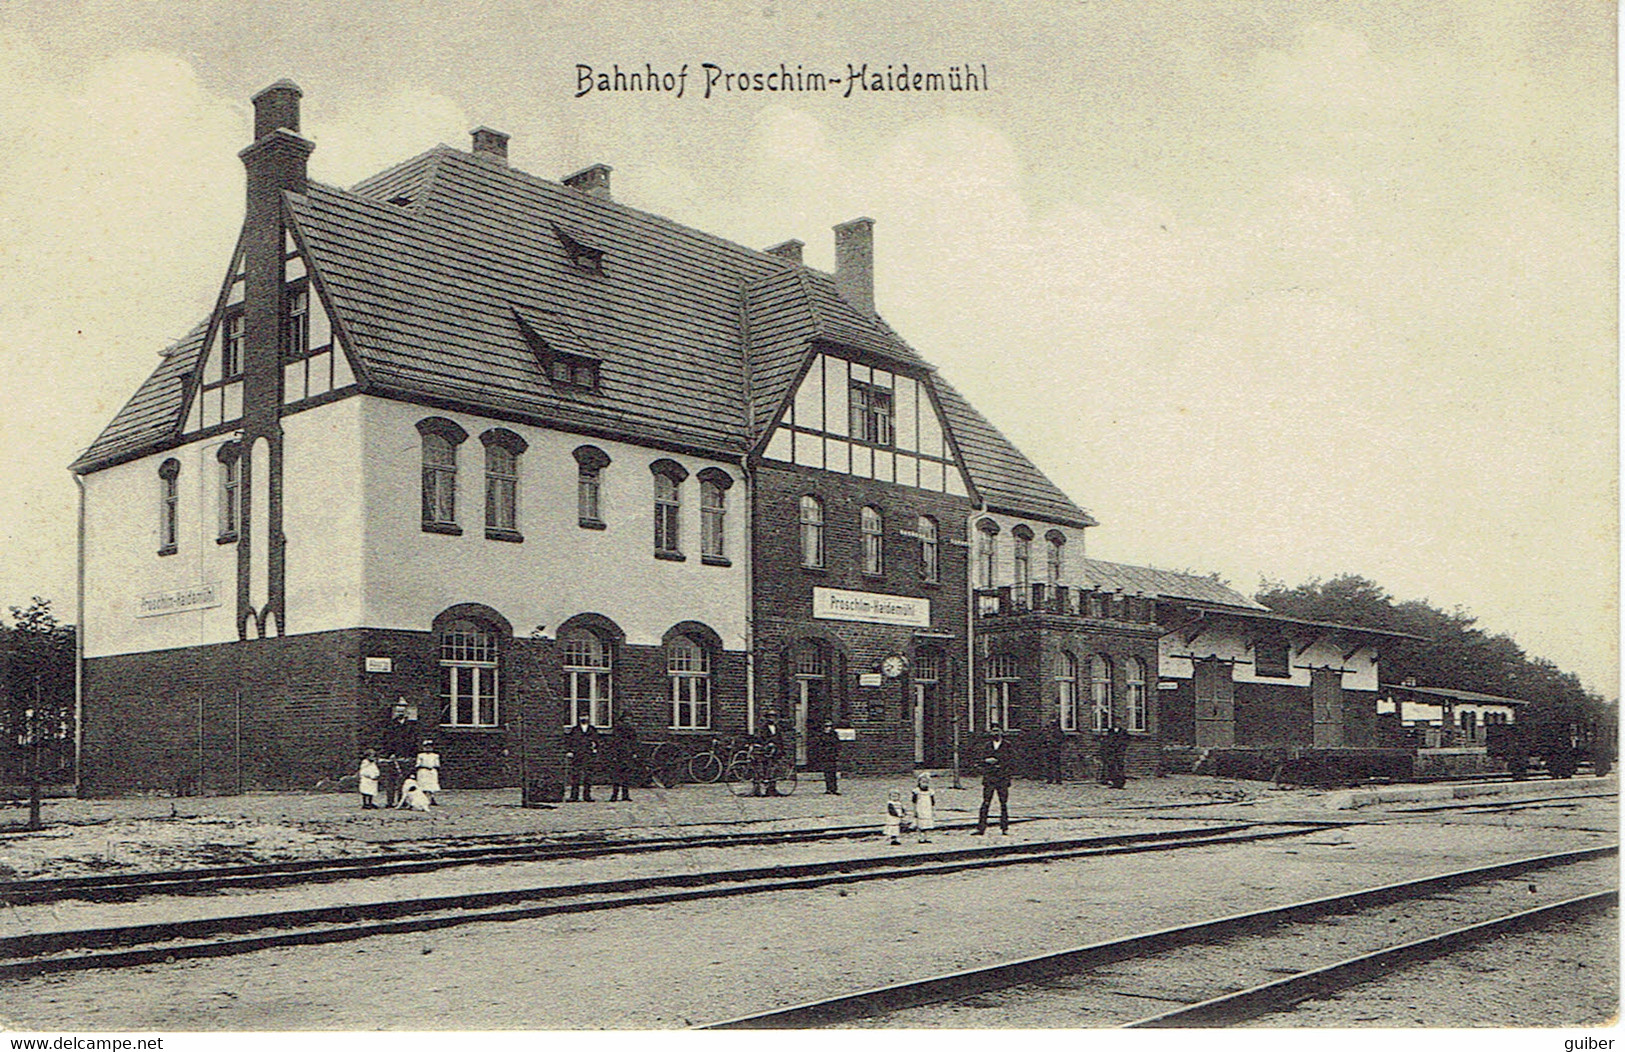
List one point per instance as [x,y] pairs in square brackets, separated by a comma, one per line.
[1008,600]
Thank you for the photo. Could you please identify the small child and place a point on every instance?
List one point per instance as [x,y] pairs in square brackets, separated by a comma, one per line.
[894,818]
[428,771]
[412,796]
[925,808]
[367,778]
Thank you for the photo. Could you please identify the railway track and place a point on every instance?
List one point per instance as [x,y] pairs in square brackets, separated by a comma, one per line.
[485,850]
[1233,968]
[216,936]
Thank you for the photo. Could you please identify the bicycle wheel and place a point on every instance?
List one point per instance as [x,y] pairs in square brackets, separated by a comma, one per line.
[787,780]
[655,764]
[704,767]
[739,777]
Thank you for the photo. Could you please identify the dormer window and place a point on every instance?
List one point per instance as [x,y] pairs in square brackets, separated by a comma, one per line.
[582,255]
[569,371]
[871,413]
[566,359]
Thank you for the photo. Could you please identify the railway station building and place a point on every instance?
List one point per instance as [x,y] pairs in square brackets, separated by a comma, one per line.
[507,452]
[511,451]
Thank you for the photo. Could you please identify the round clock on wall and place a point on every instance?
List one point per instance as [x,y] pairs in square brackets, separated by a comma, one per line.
[894,666]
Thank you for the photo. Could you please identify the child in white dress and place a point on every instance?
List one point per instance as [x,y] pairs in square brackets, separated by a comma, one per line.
[894,818]
[925,808]
[367,780]
[428,770]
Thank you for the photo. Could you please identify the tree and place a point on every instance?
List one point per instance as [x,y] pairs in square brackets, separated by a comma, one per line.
[36,691]
[1454,651]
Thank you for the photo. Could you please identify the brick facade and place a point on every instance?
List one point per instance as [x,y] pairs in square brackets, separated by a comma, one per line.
[1038,642]
[293,711]
[882,716]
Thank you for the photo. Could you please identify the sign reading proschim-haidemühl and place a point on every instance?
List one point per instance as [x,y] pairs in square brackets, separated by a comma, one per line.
[178,600]
[838,604]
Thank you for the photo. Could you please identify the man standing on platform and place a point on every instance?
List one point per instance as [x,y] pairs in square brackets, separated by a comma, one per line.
[400,749]
[995,780]
[581,750]
[823,754]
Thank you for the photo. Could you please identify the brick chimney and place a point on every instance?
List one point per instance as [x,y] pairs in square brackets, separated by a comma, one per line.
[491,144]
[855,262]
[790,250]
[592,180]
[275,164]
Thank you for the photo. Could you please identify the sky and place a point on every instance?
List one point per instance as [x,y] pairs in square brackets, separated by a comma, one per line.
[1276,290]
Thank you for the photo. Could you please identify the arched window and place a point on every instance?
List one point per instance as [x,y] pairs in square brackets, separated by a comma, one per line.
[688,664]
[587,672]
[812,532]
[874,541]
[930,562]
[987,532]
[169,506]
[669,476]
[714,485]
[1100,691]
[1022,538]
[1066,691]
[231,491]
[1134,693]
[1057,556]
[469,675]
[441,438]
[502,450]
[1003,673]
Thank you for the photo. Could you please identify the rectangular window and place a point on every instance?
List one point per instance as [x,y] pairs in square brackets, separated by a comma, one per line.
[812,532]
[231,489]
[1271,658]
[231,363]
[169,515]
[587,496]
[870,413]
[501,489]
[930,568]
[439,480]
[713,519]
[874,547]
[298,331]
[471,696]
[668,515]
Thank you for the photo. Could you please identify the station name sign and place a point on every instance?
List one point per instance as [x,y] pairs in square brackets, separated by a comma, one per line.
[178,600]
[838,604]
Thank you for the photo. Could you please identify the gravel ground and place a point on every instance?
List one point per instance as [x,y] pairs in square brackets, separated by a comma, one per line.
[146,833]
[658,967]
[1568,972]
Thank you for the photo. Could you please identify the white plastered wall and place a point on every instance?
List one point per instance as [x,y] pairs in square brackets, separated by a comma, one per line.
[321,520]
[1004,558]
[1174,662]
[560,569]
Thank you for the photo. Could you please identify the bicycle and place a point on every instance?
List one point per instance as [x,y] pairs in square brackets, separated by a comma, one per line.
[711,765]
[661,764]
[750,769]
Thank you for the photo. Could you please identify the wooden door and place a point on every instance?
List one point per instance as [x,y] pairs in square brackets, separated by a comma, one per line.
[1326,699]
[1215,705]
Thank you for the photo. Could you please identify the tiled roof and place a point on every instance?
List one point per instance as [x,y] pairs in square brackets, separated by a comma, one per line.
[430,294]
[150,415]
[1144,580]
[1458,695]
[1004,477]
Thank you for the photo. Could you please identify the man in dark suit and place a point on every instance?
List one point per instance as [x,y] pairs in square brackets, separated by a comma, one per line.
[1114,754]
[995,779]
[581,749]
[823,754]
[769,750]
[401,749]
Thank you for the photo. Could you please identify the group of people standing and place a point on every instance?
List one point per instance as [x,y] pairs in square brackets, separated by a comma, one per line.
[1111,749]
[407,771]
[590,752]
